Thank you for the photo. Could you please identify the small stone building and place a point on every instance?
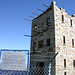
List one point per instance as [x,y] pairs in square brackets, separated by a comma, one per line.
[54,31]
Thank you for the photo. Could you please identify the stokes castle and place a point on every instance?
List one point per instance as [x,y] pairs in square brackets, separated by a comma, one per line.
[54,32]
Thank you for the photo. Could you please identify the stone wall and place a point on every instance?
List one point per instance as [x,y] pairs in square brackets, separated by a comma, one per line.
[57,30]
[47,51]
[66,51]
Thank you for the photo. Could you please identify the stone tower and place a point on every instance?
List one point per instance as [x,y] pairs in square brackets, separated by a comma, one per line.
[54,31]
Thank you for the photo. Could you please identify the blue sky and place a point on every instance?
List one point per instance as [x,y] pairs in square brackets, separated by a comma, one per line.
[12,23]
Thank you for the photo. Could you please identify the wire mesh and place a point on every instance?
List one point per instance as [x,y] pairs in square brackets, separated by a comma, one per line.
[34,70]
[45,70]
[5,72]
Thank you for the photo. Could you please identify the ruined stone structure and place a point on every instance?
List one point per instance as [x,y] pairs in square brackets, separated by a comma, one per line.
[54,31]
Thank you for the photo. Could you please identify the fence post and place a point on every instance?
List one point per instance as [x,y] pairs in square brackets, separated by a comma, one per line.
[50,69]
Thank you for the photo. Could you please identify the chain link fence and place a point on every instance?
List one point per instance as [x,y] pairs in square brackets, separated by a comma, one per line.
[38,71]
[46,70]
[5,72]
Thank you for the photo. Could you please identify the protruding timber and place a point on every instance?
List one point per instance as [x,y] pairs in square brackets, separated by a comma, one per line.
[27,19]
[35,14]
[62,4]
[31,16]
[40,10]
[28,35]
[44,5]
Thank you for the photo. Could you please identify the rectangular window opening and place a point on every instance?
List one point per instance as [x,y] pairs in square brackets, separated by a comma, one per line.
[40,44]
[34,46]
[72,42]
[71,23]
[48,42]
[63,39]
[48,21]
[64,63]
[64,73]
[74,63]
[62,18]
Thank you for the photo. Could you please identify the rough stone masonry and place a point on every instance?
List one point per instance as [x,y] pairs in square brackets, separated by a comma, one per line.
[54,31]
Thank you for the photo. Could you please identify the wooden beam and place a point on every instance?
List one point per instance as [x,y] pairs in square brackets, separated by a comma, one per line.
[35,14]
[27,35]
[31,16]
[62,4]
[27,19]
[40,10]
[44,5]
